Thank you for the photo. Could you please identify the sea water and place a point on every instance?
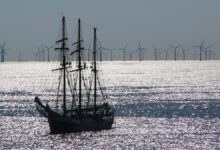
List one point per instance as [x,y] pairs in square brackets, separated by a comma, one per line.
[159,105]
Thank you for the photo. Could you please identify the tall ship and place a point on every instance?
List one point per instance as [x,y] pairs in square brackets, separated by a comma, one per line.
[84,110]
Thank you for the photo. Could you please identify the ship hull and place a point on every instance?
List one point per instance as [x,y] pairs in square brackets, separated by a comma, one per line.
[74,121]
[60,124]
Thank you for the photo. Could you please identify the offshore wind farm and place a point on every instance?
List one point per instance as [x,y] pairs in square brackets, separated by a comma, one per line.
[44,53]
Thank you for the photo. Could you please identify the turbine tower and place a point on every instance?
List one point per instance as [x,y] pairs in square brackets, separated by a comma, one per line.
[166,53]
[45,47]
[42,48]
[124,50]
[155,52]
[3,51]
[159,55]
[207,52]
[200,50]
[175,50]
[210,51]
[184,52]
[140,50]
[111,52]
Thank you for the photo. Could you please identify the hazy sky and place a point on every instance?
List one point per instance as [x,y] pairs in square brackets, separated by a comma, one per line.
[26,24]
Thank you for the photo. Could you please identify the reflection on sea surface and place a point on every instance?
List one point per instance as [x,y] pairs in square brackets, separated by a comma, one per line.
[159,105]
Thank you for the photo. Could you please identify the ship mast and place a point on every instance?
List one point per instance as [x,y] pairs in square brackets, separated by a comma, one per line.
[95,70]
[64,63]
[64,68]
[79,65]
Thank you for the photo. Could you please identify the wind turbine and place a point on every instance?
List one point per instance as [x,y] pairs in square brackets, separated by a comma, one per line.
[155,52]
[45,47]
[124,51]
[200,50]
[3,51]
[207,51]
[111,52]
[184,52]
[210,51]
[140,50]
[159,55]
[175,50]
[166,53]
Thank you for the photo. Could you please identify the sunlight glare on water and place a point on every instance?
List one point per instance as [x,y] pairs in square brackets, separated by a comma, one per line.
[159,105]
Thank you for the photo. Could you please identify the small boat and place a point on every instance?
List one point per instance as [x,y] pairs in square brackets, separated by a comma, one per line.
[87,114]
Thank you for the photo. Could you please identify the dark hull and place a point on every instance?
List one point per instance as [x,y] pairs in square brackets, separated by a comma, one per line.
[73,122]
[66,124]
